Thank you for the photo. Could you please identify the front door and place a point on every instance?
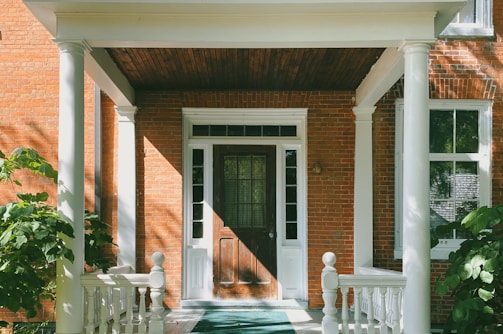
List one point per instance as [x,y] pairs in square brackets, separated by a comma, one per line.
[244,254]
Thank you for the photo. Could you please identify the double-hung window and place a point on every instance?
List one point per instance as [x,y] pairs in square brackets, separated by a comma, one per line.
[459,161]
[474,19]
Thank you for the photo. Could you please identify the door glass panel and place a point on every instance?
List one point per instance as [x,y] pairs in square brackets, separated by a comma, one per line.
[291,194]
[197,193]
[244,191]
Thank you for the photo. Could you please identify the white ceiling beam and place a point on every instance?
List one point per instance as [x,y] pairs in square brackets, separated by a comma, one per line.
[100,66]
[246,30]
[381,77]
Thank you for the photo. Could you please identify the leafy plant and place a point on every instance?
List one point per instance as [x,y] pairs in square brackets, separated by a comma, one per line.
[32,238]
[475,274]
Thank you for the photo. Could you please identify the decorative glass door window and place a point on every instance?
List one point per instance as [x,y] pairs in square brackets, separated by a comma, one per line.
[244,191]
[197,193]
[291,193]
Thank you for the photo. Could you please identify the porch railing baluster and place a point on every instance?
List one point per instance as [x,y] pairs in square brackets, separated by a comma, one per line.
[115,294]
[378,294]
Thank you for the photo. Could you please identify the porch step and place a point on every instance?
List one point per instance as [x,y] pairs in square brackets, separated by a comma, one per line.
[243,304]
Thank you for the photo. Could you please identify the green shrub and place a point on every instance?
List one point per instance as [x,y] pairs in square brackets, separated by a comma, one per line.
[32,237]
[475,274]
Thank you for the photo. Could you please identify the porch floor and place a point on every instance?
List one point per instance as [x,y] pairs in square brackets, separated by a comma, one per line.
[184,320]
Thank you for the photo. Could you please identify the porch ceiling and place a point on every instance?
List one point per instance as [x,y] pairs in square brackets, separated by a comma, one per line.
[245,69]
[244,44]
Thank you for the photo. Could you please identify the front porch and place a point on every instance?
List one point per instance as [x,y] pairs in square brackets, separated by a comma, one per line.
[161,207]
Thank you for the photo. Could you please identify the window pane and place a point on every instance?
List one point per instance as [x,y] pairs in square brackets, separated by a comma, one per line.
[236,130]
[197,211]
[441,131]
[291,194]
[258,191]
[291,230]
[230,168]
[258,167]
[291,176]
[197,157]
[441,213]
[197,230]
[467,181]
[218,130]
[441,185]
[288,131]
[271,130]
[253,130]
[468,13]
[258,215]
[244,191]
[197,175]
[197,193]
[291,212]
[200,130]
[291,158]
[244,167]
[467,131]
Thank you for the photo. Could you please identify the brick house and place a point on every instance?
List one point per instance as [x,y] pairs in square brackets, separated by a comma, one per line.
[327,100]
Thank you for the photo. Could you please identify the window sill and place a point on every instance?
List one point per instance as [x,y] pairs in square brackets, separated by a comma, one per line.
[439,252]
[463,31]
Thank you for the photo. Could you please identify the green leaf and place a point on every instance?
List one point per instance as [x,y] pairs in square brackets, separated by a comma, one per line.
[486,277]
[20,241]
[485,295]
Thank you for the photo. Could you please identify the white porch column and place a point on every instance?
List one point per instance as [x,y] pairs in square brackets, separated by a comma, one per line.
[363,206]
[70,301]
[416,221]
[126,234]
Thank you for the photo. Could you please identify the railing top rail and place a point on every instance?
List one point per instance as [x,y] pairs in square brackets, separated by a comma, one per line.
[369,281]
[378,271]
[137,280]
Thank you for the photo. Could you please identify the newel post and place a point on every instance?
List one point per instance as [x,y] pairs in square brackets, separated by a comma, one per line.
[329,285]
[157,284]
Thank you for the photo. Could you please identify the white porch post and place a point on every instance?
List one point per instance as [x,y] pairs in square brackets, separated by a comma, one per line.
[126,234]
[363,224]
[416,224]
[70,301]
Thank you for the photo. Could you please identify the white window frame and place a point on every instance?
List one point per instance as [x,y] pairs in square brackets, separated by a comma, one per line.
[445,246]
[483,25]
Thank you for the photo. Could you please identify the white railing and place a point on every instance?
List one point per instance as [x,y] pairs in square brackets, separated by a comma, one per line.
[109,296]
[377,301]
[383,295]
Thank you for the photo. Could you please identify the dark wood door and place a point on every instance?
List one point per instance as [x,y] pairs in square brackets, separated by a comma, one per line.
[244,253]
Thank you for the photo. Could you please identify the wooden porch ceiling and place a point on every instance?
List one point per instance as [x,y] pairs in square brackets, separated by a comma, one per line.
[245,69]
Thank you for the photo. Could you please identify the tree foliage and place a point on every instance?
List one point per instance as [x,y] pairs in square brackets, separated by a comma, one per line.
[32,235]
[475,274]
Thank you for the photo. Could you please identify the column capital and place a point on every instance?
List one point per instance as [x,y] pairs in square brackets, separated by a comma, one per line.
[126,113]
[363,113]
[72,45]
[410,46]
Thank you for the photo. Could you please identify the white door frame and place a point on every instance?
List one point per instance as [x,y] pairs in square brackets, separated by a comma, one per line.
[198,252]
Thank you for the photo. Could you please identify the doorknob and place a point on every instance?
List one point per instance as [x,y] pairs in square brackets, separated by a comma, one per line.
[271,235]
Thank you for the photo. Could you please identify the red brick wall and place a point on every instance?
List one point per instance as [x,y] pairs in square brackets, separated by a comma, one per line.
[29,94]
[159,147]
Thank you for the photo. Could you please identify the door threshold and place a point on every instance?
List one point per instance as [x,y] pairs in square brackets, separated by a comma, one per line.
[243,303]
